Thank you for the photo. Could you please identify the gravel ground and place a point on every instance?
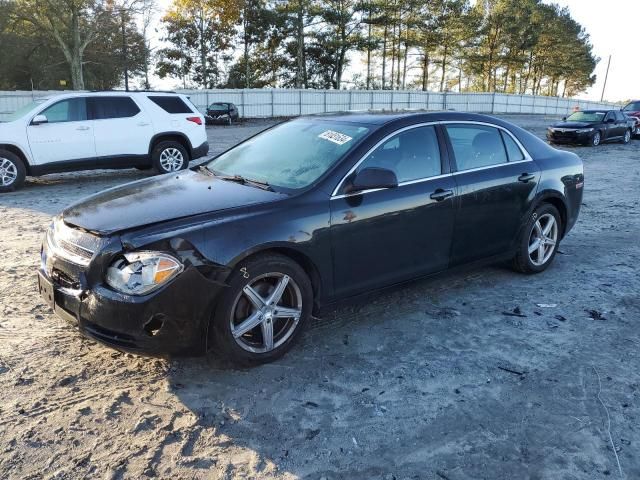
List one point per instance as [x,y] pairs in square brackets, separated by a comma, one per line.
[486,374]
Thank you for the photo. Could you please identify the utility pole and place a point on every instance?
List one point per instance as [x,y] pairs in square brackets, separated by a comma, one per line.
[124,50]
[605,79]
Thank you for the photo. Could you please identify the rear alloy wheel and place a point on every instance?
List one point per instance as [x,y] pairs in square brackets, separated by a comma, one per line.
[539,240]
[627,137]
[596,139]
[169,157]
[12,171]
[264,310]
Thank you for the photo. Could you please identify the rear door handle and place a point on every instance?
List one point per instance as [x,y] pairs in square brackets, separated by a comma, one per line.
[441,194]
[526,177]
[82,129]
[143,124]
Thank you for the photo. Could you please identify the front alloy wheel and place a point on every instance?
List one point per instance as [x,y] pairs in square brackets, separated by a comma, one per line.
[627,137]
[266,312]
[263,310]
[12,171]
[595,139]
[8,172]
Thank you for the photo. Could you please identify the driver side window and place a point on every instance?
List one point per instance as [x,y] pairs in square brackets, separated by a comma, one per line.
[71,110]
[412,155]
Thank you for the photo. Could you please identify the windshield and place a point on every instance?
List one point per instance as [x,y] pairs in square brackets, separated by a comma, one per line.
[219,107]
[292,155]
[632,107]
[22,111]
[586,117]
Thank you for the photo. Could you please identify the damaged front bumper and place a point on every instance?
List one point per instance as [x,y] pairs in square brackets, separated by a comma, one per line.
[172,320]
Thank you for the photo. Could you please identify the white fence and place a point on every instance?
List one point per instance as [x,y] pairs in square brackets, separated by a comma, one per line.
[290,102]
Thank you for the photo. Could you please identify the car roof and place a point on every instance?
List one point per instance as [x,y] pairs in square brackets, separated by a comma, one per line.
[386,118]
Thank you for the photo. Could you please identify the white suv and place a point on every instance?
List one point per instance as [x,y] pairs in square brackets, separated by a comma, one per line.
[81,131]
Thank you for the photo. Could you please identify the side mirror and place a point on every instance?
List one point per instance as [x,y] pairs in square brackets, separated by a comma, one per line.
[39,120]
[611,120]
[371,178]
[564,119]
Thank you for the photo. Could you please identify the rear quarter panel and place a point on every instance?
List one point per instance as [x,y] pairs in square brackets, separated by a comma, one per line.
[562,177]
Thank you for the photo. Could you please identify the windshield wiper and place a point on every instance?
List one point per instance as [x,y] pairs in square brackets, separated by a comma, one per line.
[238,179]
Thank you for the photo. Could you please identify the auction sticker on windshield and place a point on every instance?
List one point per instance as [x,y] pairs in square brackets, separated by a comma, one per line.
[335,137]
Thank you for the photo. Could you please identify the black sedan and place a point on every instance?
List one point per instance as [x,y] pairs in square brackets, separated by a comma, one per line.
[222,113]
[238,254]
[592,127]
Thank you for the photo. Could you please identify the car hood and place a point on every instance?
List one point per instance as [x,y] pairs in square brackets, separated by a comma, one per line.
[572,125]
[633,114]
[157,199]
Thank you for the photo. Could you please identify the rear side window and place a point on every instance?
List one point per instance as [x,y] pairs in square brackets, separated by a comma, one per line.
[513,150]
[103,108]
[71,110]
[171,104]
[476,146]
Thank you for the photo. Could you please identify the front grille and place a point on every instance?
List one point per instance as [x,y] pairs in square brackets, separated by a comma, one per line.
[72,244]
[75,249]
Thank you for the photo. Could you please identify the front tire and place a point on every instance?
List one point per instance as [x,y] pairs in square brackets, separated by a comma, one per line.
[12,172]
[627,136]
[539,240]
[264,310]
[596,139]
[169,157]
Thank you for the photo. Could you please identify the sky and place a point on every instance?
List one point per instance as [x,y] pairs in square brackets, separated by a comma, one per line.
[613,28]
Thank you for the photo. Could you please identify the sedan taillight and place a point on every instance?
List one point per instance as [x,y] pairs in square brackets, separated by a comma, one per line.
[197,120]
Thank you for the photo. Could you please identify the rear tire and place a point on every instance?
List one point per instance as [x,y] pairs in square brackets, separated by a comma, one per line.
[274,324]
[539,240]
[12,171]
[169,157]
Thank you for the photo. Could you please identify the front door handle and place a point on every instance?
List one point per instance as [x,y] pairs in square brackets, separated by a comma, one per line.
[143,124]
[526,177]
[441,194]
[82,129]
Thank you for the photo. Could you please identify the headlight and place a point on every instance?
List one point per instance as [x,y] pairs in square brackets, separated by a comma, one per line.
[551,129]
[585,130]
[139,273]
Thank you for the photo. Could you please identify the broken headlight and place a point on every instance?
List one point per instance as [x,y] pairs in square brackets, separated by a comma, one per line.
[138,273]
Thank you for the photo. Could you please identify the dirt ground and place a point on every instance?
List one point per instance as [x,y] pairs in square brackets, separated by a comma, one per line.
[486,374]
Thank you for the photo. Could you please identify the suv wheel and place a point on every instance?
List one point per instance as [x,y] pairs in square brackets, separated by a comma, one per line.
[169,156]
[12,171]
[539,240]
[264,310]
[627,137]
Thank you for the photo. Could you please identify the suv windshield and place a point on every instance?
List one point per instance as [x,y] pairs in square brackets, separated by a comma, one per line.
[292,155]
[22,111]
[586,117]
[632,107]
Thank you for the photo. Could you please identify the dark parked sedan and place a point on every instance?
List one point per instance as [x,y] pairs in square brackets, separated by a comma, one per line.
[592,127]
[238,254]
[222,112]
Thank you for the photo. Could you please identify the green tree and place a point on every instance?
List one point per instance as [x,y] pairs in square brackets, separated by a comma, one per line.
[200,32]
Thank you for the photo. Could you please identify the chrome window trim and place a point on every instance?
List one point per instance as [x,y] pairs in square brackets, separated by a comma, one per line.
[524,151]
[371,150]
[486,124]
[402,184]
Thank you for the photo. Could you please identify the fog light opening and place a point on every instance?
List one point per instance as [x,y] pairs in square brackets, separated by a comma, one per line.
[153,326]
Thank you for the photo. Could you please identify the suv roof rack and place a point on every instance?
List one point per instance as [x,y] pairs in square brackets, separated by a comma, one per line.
[132,91]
